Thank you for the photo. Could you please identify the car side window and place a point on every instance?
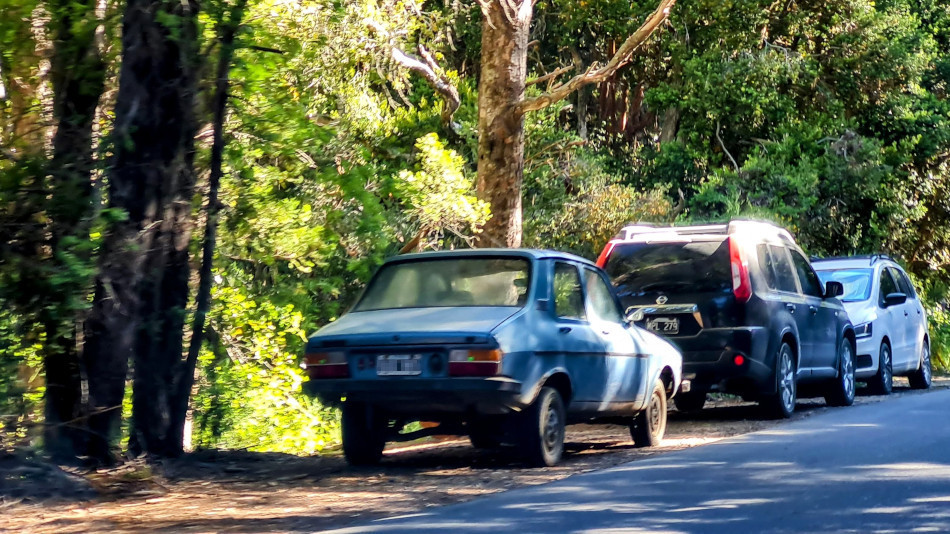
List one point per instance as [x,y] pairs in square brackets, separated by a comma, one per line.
[811,285]
[600,301]
[784,274]
[888,285]
[568,297]
[766,264]
[903,282]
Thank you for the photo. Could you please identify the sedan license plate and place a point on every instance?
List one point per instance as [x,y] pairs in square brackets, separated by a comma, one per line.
[399,364]
[664,325]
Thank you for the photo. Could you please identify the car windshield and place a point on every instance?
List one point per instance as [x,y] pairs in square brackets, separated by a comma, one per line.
[448,282]
[856,282]
[681,267]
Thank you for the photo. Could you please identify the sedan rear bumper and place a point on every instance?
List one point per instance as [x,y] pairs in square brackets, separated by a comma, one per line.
[424,396]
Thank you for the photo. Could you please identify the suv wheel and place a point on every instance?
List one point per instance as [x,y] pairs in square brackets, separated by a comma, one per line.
[883,382]
[841,391]
[648,426]
[690,402]
[543,432]
[364,433]
[921,378]
[781,404]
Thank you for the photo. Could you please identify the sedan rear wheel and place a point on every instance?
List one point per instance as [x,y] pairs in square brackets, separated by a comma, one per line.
[364,433]
[841,390]
[649,425]
[542,438]
[922,377]
[781,404]
[883,382]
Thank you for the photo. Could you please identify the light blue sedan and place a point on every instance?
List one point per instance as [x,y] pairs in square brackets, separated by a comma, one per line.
[506,346]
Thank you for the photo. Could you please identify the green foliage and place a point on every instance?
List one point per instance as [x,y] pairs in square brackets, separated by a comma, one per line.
[21,383]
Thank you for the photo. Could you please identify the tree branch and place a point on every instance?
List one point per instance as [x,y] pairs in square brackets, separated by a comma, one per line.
[592,75]
[550,75]
[426,67]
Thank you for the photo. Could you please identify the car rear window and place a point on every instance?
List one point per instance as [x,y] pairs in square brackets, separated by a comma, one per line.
[448,282]
[677,267]
[856,282]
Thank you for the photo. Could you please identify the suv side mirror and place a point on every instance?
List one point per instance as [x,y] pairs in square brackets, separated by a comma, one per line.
[834,289]
[893,299]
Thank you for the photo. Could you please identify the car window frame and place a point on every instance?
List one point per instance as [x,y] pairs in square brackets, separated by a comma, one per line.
[903,280]
[611,293]
[809,269]
[580,279]
[785,251]
[880,288]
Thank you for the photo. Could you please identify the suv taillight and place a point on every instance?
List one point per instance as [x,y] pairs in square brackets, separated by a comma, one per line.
[604,254]
[326,365]
[741,284]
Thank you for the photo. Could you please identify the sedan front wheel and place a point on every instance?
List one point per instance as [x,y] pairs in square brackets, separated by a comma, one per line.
[649,425]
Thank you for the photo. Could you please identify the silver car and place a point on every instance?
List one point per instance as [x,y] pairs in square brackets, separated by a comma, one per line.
[890,322]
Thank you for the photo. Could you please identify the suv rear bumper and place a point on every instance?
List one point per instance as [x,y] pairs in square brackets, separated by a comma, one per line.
[709,360]
[488,396]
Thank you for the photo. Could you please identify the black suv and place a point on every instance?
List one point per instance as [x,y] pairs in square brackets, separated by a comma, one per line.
[744,306]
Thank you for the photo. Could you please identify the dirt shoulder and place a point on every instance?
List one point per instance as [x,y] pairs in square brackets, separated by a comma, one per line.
[256,492]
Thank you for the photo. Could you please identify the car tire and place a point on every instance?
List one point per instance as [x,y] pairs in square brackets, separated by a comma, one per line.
[690,402]
[542,434]
[649,426]
[841,390]
[882,383]
[781,404]
[364,433]
[923,376]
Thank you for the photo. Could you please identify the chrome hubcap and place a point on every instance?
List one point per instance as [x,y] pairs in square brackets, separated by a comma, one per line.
[926,364]
[551,429]
[847,369]
[787,383]
[655,414]
[886,364]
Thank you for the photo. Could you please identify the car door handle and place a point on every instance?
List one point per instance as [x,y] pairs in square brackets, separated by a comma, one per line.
[905,313]
[564,329]
[790,307]
[813,309]
[605,332]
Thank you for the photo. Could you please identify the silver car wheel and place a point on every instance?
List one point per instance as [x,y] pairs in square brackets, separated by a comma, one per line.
[787,382]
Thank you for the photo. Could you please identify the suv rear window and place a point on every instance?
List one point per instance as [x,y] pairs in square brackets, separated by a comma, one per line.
[678,267]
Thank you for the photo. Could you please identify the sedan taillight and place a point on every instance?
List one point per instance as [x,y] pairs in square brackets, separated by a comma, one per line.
[479,362]
[326,365]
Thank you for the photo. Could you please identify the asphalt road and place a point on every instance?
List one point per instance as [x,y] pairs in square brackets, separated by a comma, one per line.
[882,467]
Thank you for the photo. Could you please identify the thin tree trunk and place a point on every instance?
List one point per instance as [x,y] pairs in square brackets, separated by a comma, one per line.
[501,88]
[164,288]
[78,78]
[186,374]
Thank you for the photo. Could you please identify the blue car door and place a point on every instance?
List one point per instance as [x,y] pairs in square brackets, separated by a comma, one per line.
[621,360]
[582,349]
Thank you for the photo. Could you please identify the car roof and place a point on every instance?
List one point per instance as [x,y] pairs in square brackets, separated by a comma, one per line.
[641,232]
[527,253]
[852,262]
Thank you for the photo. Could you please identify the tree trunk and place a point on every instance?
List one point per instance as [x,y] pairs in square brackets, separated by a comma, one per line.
[505,26]
[78,77]
[139,307]
[186,374]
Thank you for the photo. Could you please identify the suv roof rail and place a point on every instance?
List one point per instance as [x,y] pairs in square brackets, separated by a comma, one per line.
[733,226]
[872,258]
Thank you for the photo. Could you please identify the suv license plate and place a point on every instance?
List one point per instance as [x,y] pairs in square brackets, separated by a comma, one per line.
[664,325]
[399,364]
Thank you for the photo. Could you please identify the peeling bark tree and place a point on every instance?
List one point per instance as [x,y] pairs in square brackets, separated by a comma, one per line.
[502,105]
